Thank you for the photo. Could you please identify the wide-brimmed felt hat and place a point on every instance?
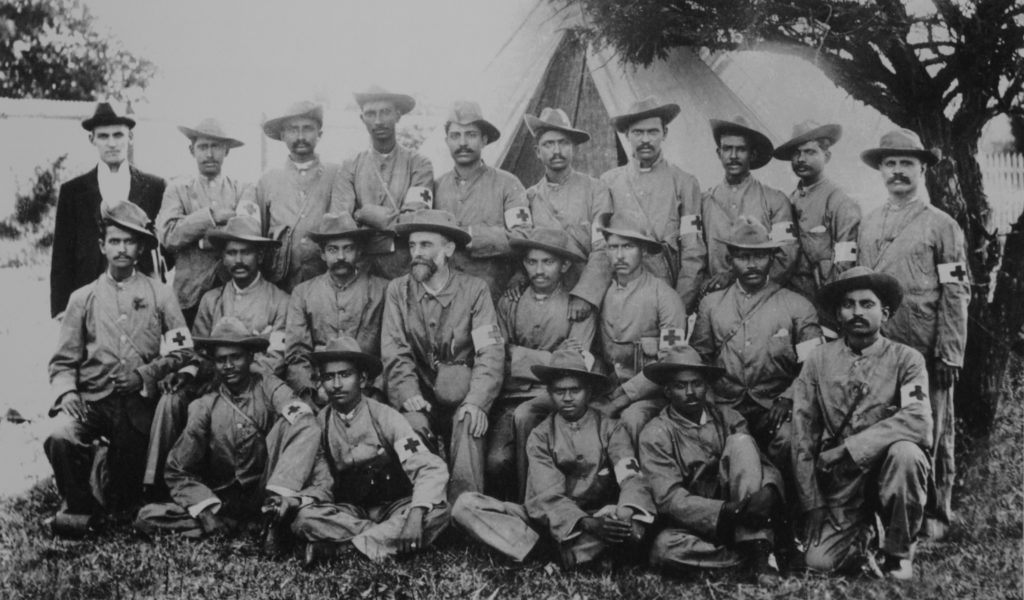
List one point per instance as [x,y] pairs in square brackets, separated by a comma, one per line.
[760,143]
[230,331]
[335,226]
[305,108]
[436,221]
[128,216]
[210,128]
[240,228]
[555,241]
[106,115]
[347,349]
[808,131]
[749,234]
[680,358]
[887,287]
[569,362]
[404,103]
[901,142]
[645,108]
[467,112]
[623,225]
[555,119]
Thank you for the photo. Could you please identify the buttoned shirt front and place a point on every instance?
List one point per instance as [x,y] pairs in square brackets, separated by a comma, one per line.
[422,330]
[753,336]
[826,216]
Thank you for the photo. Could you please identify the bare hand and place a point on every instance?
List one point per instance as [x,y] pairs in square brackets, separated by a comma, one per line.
[477,419]
[126,383]
[410,539]
[780,413]
[579,309]
[72,405]
[416,403]
[280,507]
[514,293]
[608,528]
[221,214]
[571,344]
[175,382]
[946,375]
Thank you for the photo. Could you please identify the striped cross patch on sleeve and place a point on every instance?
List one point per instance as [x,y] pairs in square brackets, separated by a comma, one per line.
[408,446]
[175,339]
[626,467]
[486,335]
[953,272]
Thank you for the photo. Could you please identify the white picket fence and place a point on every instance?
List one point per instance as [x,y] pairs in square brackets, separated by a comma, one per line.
[1003,174]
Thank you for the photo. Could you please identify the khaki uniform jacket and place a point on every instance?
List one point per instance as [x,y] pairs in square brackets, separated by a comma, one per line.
[262,308]
[723,204]
[680,459]
[754,337]
[575,207]
[114,327]
[185,217]
[669,198]
[636,314]
[487,204]
[883,381]
[578,468]
[533,328]
[291,204]
[910,242]
[320,311]
[456,326]
[825,216]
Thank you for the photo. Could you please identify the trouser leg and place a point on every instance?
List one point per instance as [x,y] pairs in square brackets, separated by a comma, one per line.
[169,421]
[291,454]
[940,506]
[639,414]
[774,444]
[580,550]
[166,516]
[527,415]
[500,471]
[503,526]
[675,548]
[742,472]
[330,522]
[69,449]
[380,540]
[902,494]
[466,460]
[132,419]
[843,542]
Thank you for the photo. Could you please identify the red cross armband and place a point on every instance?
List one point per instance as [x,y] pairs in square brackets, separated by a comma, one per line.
[914,392]
[417,198]
[276,341]
[408,446]
[844,252]
[484,336]
[953,272]
[175,339]
[690,224]
[626,467]
[518,217]
[671,338]
[783,232]
[803,349]
[295,409]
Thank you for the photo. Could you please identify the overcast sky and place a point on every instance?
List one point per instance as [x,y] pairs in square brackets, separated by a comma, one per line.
[231,55]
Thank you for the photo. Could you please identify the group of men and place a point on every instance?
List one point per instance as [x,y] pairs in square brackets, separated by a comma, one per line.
[354,355]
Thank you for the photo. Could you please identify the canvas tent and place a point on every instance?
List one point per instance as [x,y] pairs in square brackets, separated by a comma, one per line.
[543,64]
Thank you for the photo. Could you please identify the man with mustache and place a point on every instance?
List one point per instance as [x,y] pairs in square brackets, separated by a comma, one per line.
[377,185]
[292,200]
[640,316]
[192,207]
[120,335]
[488,202]
[258,304]
[534,324]
[828,220]
[380,489]
[923,248]
[742,149]
[248,442]
[573,202]
[661,197]
[716,491]
[442,347]
[584,491]
[759,333]
[346,300]
[80,204]
[862,426]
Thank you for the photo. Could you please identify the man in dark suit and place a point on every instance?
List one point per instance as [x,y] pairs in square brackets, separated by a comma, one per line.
[77,259]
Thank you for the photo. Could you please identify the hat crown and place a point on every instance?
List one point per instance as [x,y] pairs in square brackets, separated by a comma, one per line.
[858,271]
[301,107]
[804,127]
[623,221]
[465,112]
[104,109]
[556,117]
[342,343]
[128,213]
[683,356]
[337,224]
[434,217]
[644,104]
[230,328]
[901,139]
[550,237]
[242,225]
[567,359]
[209,126]
[748,231]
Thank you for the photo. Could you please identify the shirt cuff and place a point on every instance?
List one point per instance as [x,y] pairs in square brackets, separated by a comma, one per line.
[195,509]
[305,501]
[192,370]
[280,491]
[641,515]
[424,505]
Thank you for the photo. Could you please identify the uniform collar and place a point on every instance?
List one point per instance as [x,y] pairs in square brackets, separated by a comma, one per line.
[350,416]
[445,295]
[654,166]
[632,285]
[872,350]
[304,166]
[581,423]
[249,288]
[803,190]
[679,418]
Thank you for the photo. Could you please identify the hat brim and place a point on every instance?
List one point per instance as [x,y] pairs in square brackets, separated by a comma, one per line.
[546,374]
[769,245]
[403,103]
[272,127]
[652,246]
[149,236]
[352,234]
[760,143]
[667,112]
[255,343]
[459,236]
[537,127]
[195,133]
[832,132]
[367,363]
[219,238]
[874,156]
[661,371]
[94,122]
[525,246]
[888,288]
